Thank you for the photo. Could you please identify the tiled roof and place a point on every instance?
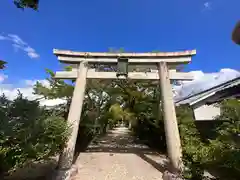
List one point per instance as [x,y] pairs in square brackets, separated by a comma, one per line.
[207,93]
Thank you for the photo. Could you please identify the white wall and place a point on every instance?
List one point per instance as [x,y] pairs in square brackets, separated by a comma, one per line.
[203,112]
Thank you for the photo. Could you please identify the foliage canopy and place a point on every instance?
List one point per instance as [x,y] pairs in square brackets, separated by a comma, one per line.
[22,4]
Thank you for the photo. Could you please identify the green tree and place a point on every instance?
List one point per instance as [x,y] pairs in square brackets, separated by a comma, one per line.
[96,103]
[22,4]
[2,64]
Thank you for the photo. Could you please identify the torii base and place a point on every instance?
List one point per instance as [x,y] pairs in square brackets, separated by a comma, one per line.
[66,174]
[170,176]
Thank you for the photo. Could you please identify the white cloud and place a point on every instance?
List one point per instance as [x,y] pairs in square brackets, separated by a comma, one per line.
[2,37]
[18,43]
[27,91]
[3,77]
[52,102]
[207,5]
[33,82]
[16,39]
[30,82]
[203,81]
[31,52]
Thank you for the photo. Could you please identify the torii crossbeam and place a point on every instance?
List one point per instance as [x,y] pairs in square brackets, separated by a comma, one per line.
[162,67]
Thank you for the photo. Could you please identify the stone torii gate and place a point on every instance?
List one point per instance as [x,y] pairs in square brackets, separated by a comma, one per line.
[162,68]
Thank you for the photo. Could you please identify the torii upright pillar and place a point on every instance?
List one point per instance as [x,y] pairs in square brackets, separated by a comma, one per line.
[74,116]
[170,120]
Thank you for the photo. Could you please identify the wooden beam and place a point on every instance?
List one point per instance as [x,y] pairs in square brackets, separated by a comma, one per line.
[131,75]
[174,60]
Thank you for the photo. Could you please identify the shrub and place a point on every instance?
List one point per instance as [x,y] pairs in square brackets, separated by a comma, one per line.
[27,133]
[192,146]
[220,155]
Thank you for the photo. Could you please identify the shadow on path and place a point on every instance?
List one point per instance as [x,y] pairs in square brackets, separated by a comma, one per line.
[119,140]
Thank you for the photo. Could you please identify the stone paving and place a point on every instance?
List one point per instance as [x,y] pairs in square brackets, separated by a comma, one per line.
[116,156]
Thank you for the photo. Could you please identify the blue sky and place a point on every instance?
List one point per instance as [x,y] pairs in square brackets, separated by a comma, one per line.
[135,25]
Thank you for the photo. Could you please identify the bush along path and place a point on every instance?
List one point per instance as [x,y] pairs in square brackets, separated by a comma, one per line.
[117,156]
[29,137]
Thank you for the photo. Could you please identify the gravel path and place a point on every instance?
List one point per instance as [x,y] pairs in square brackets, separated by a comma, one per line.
[116,157]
